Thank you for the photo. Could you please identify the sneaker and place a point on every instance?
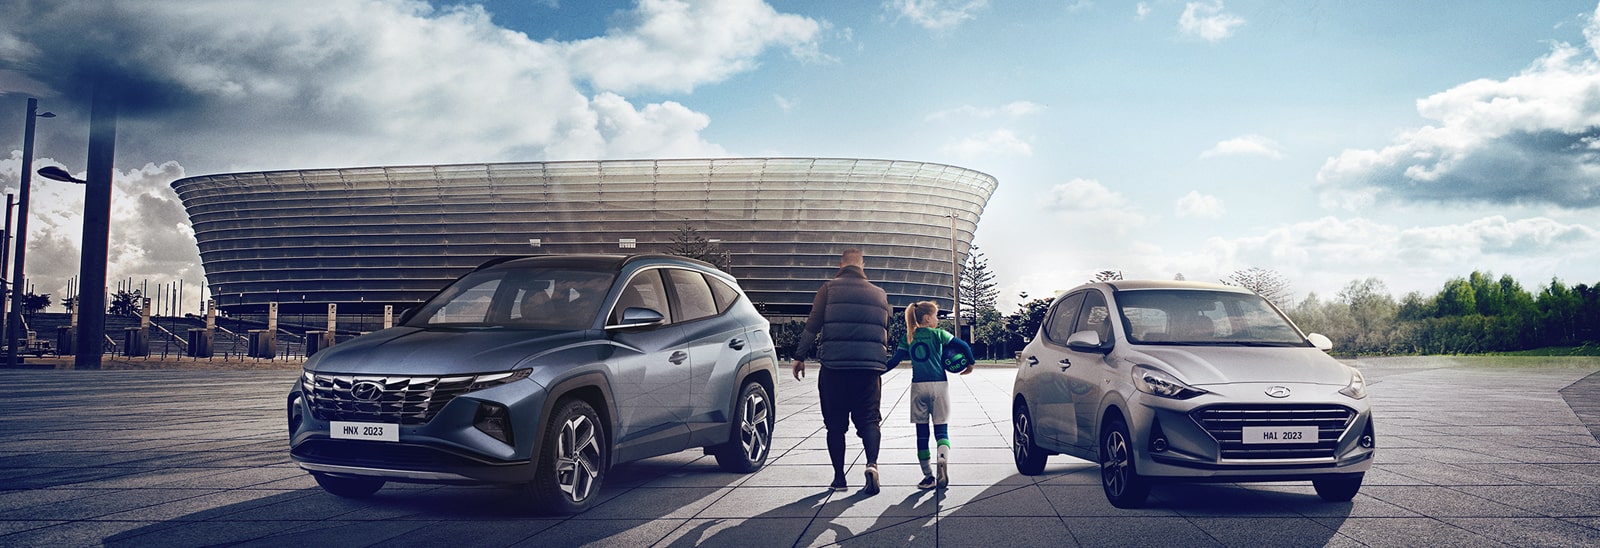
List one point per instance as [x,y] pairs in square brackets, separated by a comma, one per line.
[927,483]
[944,466]
[839,484]
[872,480]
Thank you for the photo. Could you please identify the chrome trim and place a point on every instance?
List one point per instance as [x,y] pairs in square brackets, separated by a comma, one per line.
[382,472]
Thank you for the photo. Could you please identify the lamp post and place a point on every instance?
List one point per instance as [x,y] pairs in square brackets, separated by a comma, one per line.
[15,316]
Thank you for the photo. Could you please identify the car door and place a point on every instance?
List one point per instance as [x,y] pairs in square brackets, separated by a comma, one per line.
[716,345]
[650,372]
[1091,372]
[1046,388]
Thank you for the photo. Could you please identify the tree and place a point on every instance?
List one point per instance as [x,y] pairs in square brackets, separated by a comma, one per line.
[687,242]
[32,304]
[1373,312]
[1269,284]
[1456,299]
[1023,324]
[978,291]
[1106,276]
[125,303]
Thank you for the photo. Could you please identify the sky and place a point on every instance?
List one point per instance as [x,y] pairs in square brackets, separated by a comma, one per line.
[1330,142]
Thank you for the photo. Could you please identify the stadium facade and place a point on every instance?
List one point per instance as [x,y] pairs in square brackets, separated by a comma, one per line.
[366,237]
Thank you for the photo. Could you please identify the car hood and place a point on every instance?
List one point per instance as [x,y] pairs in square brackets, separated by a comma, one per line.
[413,351]
[1202,365]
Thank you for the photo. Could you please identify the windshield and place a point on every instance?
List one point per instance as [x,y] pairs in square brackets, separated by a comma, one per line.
[527,298]
[1198,317]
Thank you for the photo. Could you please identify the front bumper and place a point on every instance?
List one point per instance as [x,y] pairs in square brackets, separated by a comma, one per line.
[1201,440]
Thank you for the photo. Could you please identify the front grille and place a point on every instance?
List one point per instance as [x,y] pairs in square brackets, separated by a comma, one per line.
[391,399]
[1226,423]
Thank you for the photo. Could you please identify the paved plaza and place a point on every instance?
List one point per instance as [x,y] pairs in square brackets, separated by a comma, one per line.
[1472,452]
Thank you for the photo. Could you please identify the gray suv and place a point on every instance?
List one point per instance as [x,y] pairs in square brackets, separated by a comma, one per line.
[543,372]
[1183,381]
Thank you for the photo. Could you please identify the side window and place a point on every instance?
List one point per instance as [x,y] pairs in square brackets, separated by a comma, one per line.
[725,295]
[694,296]
[1063,317]
[643,291]
[1095,316]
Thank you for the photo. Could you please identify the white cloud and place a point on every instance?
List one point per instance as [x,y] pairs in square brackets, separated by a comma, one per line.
[1204,206]
[999,143]
[937,14]
[1141,11]
[784,103]
[1246,145]
[243,86]
[1207,21]
[1014,109]
[678,45]
[1530,138]
[1087,203]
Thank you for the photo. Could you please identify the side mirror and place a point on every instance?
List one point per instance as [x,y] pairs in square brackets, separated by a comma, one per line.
[634,317]
[1320,341]
[1085,341]
[405,315]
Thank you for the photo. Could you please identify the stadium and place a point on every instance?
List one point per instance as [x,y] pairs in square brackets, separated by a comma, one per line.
[367,237]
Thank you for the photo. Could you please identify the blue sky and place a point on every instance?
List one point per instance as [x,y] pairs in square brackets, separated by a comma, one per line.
[1329,141]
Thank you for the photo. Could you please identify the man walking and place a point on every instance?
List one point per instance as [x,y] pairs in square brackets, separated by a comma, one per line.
[852,317]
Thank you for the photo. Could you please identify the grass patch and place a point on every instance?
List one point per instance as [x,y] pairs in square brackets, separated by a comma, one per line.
[1585,350]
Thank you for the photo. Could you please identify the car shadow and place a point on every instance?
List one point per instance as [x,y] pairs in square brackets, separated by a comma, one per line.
[418,514]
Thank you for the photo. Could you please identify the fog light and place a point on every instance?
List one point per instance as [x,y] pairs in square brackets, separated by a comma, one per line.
[1367,442]
[495,420]
[1158,445]
[294,416]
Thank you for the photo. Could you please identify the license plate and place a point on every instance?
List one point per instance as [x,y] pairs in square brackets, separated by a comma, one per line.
[372,431]
[1280,434]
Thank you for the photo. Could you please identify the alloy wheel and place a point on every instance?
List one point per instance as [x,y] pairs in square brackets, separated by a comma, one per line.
[577,458]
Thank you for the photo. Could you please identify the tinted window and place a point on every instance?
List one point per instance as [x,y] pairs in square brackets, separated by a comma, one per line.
[1095,316]
[1063,317]
[725,295]
[1204,317]
[694,296]
[535,298]
[645,290]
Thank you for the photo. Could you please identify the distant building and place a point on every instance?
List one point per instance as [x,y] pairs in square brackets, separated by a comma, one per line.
[365,237]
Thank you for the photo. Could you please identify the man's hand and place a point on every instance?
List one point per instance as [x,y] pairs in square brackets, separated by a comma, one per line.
[799,370]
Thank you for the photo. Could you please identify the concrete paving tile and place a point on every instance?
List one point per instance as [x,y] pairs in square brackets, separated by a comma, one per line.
[999,500]
[9,527]
[336,533]
[1265,531]
[735,532]
[1137,531]
[656,502]
[1229,500]
[204,505]
[104,502]
[204,533]
[1530,531]
[81,533]
[1004,531]
[888,531]
[620,533]
[1442,502]
[1405,532]
[1075,501]
[1541,500]
[768,502]
[1438,473]
[897,503]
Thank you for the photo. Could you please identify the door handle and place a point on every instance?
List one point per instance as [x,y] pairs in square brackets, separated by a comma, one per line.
[678,357]
[736,344]
[1065,363]
[1032,361]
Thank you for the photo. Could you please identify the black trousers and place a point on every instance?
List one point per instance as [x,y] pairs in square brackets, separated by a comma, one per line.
[850,395]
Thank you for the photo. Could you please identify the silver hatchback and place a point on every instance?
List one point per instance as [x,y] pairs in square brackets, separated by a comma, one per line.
[1182,381]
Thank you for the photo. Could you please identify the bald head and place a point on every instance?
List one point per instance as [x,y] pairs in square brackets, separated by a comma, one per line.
[852,257]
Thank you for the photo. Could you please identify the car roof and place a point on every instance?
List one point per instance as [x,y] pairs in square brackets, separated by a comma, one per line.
[1127,285]
[601,261]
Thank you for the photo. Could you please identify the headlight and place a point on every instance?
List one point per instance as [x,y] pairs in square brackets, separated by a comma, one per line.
[1155,381]
[1357,389]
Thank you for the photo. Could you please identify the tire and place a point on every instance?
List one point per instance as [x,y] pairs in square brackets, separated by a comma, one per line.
[348,487]
[750,441]
[1025,452]
[573,461]
[1119,476]
[1339,489]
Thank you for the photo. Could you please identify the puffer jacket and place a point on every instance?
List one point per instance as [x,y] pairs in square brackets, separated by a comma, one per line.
[852,315]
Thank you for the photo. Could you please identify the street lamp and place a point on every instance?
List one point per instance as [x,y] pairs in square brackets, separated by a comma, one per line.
[15,316]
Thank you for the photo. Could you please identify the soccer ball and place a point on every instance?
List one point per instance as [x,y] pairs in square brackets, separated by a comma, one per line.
[954,361]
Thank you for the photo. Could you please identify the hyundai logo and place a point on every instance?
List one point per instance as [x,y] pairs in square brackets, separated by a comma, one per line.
[1276,391]
[367,391]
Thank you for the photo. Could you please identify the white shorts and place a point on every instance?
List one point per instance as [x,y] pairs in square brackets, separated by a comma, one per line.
[930,400]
